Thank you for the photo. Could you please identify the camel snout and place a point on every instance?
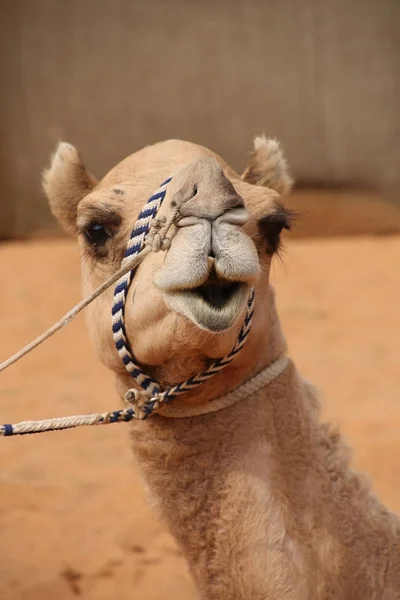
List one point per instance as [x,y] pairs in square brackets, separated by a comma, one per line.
[204,192]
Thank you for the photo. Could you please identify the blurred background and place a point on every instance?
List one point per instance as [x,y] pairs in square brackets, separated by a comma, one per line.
[111,76]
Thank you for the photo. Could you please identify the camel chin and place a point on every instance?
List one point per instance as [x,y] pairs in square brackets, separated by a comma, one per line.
[214,306]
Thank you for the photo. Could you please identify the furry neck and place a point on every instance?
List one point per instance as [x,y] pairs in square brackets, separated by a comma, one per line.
[261,499]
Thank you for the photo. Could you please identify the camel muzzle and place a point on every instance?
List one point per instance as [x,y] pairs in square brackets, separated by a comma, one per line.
[202,248]
[201,190]
[211,263]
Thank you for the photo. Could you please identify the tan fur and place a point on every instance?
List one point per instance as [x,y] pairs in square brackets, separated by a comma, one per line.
[66,183]
[260,496]
[268,166]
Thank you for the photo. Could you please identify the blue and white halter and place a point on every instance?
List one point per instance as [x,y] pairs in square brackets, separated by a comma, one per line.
[152,387]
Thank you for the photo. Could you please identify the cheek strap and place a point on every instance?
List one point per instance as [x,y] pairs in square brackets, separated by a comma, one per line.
[153,396]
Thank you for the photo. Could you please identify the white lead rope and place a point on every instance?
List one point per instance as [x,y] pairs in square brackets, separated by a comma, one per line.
[245,390]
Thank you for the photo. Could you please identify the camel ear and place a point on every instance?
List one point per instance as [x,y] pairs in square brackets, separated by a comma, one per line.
[65,183]
[268,166]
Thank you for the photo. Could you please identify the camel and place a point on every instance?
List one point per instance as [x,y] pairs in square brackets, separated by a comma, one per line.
[258,492]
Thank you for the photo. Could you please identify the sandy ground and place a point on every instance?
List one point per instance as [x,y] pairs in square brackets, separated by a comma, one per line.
[73,519]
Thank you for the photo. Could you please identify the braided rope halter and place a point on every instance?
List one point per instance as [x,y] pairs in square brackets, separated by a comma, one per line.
[145,402]
[153,394]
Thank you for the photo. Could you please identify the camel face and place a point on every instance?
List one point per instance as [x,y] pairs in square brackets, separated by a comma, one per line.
[193,297]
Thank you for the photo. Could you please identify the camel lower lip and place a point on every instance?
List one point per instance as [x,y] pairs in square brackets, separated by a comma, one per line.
[214,306]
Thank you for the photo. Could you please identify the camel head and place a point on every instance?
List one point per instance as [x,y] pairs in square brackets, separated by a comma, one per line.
[185,305]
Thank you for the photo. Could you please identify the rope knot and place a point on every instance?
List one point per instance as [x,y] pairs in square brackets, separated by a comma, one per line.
[157,237]
[143,403]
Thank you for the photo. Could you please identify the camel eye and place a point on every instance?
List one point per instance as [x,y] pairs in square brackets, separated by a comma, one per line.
[96,234]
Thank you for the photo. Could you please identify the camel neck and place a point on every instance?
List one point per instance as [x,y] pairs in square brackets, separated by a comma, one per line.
[253,491]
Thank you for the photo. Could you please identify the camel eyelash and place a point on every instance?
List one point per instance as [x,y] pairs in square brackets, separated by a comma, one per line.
[271,226]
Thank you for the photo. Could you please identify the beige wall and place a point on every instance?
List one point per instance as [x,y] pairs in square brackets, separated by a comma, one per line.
[113,75]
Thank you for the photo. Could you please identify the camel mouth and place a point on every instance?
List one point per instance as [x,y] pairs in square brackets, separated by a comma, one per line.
[216,292]
[215,305]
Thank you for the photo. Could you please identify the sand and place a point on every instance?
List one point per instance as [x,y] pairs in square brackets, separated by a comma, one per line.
[73,518]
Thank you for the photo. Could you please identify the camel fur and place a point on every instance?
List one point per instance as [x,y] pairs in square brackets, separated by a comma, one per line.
[260,496]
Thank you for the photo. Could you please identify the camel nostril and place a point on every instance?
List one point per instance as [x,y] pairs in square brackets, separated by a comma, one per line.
[237,202]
